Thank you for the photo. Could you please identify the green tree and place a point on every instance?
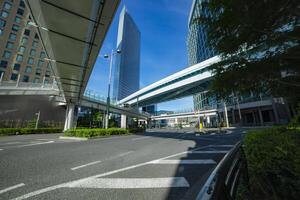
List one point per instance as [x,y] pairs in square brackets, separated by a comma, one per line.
[258,42]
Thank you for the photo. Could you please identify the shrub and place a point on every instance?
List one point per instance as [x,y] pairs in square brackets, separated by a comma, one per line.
[24,131]
[273,157]
[94,132]
[137,130]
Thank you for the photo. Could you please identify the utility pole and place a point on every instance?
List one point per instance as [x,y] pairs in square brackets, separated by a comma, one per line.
[109,83]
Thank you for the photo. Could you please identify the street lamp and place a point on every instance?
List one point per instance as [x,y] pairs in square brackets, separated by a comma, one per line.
[109,83]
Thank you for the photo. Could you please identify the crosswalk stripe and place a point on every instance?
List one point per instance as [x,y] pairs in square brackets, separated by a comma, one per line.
[184,162]
[123,183]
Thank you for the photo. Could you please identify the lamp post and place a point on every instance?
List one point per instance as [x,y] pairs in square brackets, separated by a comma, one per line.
[109,83]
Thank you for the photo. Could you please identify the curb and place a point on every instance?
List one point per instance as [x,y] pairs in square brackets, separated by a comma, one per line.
[72,138]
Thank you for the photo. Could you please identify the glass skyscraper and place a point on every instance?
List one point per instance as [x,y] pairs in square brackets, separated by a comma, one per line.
[127,70]
[198,49]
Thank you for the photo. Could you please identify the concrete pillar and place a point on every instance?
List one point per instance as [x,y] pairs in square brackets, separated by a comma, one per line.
[233,116]
[123,121]
[226,115]
[275,112]
[260,117]
[69,121]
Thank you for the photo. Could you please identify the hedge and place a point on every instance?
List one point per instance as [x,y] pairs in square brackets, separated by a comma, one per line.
[94,132]
[273,157]
[24,131]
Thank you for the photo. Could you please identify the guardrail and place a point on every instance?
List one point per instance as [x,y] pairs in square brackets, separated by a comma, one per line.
[223,182]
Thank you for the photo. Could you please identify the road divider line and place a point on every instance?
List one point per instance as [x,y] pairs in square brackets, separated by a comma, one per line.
[11,188]
[140,138]
[185,162]
[125,183]
[204,152]
[39,143]
[62,185]
[1,149]
[88,164]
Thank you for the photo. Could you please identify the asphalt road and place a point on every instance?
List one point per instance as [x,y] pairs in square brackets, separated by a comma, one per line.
[155,165]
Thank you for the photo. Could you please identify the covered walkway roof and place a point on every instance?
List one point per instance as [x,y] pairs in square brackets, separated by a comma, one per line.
[72,33]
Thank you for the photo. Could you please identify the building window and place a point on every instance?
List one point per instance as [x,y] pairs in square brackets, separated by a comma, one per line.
[47,74]
[24,40]
[30,61]
[28,69]
[17,19]
[14,77]
[9,45]
[36,36]
[46,81]
[32,52]
[40,63]
[38,72]
[20,11]
[2,23]
[12,36]
[17,67]
[1,32]
[22,49]
[6,54]
[15,27]
[22,4]
[25,78]
[3,63]
[34,44]
[27,32]
[4,14]
[7,6]
[36,80]
[42,55]
[19,58]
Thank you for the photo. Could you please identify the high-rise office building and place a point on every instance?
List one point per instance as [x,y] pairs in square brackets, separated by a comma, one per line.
[127,70]
[21,52]
[198,49]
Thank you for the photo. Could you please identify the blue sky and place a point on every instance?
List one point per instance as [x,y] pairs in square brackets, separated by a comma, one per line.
[163,26]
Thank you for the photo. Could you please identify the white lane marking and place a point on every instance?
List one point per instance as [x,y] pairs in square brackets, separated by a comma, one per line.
[12,143]
[124,183]
[44,139]
[1,149]
[88,164]
[54,187]
[208,152]
[221,145]
[185,162]
[140,138]
[12,188]
[123,154]
[39,143]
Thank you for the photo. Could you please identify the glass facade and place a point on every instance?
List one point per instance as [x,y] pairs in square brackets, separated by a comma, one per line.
[127,70]
[198,49]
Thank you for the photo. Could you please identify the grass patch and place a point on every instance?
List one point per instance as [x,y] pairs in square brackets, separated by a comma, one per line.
[25,131]
[273,157]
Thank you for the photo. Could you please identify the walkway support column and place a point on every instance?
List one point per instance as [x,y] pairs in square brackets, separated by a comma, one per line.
[226,114]
[123,121]
[69,121]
